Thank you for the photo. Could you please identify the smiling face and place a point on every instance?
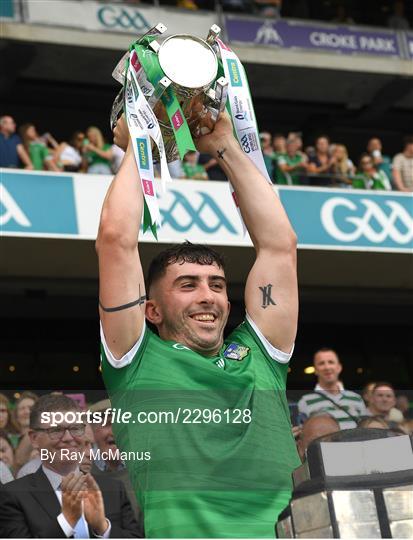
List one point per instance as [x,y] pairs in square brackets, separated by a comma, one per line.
[60,438]
[327,367]
[189,305]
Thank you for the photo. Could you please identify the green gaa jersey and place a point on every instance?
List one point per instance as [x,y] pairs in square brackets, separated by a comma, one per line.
[217,429]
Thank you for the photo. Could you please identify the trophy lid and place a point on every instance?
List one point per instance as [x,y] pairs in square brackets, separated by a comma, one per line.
[188,61]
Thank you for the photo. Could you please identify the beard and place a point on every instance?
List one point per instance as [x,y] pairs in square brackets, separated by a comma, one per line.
[203,341]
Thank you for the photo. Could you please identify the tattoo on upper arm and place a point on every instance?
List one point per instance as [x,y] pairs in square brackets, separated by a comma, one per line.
[221,153]
[266,296]
[139,301]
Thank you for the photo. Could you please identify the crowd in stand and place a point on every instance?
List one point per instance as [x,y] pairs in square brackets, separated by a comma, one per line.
[328,163]
[287,162]
[28,443]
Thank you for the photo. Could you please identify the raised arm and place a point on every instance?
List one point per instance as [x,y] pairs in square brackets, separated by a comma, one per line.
[271,296]
[121,282]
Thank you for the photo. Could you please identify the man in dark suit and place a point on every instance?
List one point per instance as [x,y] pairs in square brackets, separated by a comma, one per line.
[58,500]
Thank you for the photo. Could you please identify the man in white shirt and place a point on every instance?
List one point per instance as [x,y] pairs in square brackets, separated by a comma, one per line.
[329,395]
[58,500]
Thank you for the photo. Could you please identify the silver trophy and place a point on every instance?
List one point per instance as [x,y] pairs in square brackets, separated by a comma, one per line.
[189,68]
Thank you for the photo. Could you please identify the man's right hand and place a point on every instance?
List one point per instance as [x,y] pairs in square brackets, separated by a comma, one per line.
[73,491]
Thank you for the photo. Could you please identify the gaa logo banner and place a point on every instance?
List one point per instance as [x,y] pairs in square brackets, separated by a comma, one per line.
[234,73]
[381,221]
[37,204]
[122,18]
[195,210]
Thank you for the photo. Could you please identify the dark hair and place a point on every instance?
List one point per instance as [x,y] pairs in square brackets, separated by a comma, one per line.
[23,133]
[322,136]
[49,403]
[383,383]
[408,140]
[365,155]
[182,253]
[326,349]
[74,136]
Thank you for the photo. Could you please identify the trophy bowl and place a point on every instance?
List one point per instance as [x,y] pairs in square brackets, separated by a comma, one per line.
[183,68]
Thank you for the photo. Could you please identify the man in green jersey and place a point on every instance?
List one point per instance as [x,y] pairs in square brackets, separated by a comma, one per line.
[292,164]
[210,413]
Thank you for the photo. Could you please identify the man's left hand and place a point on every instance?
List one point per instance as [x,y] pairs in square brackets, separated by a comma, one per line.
[222,134]
[94,507]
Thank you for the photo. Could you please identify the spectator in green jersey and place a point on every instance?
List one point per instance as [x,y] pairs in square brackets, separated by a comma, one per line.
[209,478]
[192,169]
[381,161]
[37,148]
[97,153]
[369,177]
[291,165]
[279,144]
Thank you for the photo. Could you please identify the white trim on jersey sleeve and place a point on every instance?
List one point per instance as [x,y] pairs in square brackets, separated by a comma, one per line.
[126,358]
[276,354]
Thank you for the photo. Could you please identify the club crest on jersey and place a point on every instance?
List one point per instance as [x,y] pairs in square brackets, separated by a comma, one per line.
[234,351]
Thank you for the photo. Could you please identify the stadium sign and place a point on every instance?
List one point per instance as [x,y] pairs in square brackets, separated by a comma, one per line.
[46,204]
[292,34]
[107,17]
[37,204]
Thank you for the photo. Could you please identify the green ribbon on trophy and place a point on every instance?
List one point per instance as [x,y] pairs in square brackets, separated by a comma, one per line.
[168,90]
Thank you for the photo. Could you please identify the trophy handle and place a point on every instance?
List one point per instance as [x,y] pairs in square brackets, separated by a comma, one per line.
[213,33]
[117,109]
[217,98]
[160,88]
[119,72]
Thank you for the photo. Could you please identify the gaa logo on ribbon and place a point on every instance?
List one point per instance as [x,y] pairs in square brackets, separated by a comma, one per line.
[396,225]
[249,142]
[234,73]
[245,144]
[142,147]
[122,18]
